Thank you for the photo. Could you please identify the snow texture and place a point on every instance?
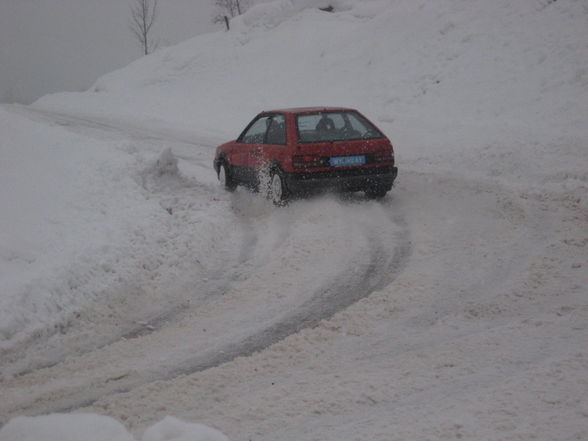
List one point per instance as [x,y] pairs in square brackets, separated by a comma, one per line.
[133,287]
[89,427]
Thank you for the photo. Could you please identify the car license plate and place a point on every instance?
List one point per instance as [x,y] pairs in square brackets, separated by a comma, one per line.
[347,161]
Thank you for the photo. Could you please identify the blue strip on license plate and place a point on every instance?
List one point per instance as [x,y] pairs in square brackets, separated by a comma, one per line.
[347,161]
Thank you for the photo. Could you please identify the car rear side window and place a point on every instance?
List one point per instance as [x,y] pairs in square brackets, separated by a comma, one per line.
[335,126]
[268,129]
[276,132]
[255,134]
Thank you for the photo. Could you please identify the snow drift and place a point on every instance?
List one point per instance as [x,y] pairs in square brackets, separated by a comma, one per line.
[100,428]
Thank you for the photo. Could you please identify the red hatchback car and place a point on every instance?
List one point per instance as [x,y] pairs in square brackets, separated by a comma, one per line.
[298,151]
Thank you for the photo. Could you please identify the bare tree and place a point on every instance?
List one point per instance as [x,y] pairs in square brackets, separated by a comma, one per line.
[228,9]
[231,8]
[143,15]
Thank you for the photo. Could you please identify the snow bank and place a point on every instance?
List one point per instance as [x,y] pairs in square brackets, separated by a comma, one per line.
[444,79]
[64,197]
[85,238]
[271,14]
[173,429]
[73,427]
[89,427]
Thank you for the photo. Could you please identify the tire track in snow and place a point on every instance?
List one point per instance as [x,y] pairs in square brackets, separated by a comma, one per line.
[386,261]
[387,256]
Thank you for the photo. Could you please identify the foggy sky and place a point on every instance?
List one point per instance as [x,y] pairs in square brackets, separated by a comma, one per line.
[65,45]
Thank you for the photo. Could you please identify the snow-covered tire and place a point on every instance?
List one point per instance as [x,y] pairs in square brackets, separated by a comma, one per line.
[224,177]
[277,189]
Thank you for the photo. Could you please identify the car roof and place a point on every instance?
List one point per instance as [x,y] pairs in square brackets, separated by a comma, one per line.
[300,110]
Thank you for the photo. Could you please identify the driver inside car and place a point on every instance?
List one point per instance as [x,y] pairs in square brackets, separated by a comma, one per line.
[325,124]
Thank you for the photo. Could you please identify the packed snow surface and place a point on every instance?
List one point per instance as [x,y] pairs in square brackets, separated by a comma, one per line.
[89,427]
[140,299]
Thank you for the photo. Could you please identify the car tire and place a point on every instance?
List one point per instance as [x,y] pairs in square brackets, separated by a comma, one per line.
[277,189]
[225,178]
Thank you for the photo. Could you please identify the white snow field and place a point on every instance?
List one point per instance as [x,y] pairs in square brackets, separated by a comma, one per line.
[140,301]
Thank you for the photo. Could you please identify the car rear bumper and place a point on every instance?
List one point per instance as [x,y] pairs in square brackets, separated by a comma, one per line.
[354,179]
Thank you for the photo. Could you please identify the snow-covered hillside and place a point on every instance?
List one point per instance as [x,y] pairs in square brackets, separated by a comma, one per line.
[133,287]
[442,78]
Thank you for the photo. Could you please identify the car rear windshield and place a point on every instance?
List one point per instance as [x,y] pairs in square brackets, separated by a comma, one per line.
[335,126]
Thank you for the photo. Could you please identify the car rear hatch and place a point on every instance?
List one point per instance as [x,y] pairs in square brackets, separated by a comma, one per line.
[343,154]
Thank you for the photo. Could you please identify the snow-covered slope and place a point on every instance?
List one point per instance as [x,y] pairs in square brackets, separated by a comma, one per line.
[443,78]
[519,63]
[121,263]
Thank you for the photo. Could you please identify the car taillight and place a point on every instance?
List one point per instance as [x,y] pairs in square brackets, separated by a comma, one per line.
[384,156]
[307,161]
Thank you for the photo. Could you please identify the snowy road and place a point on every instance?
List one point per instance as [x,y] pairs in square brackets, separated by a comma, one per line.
[226,288]
[259,319]
[263,274]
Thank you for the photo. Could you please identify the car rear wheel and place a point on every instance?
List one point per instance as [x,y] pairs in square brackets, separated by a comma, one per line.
[277,190]
[224,177]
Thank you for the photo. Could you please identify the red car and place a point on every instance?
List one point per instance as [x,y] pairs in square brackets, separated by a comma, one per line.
[298,151]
